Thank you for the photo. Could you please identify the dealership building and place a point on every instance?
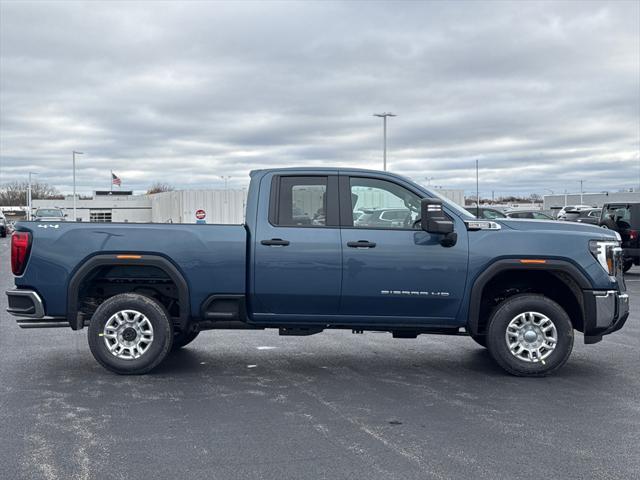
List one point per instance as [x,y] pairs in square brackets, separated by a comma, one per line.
[182,206]
[596,200]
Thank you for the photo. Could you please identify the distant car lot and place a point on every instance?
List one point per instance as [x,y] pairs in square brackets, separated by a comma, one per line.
[334,405]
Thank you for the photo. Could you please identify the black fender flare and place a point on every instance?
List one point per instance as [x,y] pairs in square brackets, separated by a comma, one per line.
[130,258]
[503,265]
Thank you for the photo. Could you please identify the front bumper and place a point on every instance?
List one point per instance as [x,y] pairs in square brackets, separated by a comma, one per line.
[606,311]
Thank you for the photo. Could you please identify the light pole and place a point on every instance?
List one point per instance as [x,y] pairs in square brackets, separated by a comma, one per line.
[477,190]
[29,196]
[384,123]
[581,191]
[226,178]
[428,179]
[75,216]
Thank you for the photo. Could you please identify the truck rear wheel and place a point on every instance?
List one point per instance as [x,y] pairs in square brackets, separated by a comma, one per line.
[184,338]
[530,335]
[130,334]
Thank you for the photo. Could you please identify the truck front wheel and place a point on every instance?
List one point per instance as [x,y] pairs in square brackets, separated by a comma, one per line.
[530,335]
[130,334]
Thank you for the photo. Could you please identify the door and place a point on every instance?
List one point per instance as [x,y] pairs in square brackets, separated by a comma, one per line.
[297,250]
[394,271]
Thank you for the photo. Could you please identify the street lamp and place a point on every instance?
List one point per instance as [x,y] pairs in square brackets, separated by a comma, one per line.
[226,178]
[428,179]
[29,196]
[75,216]
[384,123]
[581,192]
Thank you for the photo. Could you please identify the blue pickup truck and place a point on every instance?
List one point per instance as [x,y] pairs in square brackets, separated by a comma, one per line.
[301,263]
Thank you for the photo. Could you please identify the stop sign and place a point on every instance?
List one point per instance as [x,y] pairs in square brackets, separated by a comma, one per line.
[201,214]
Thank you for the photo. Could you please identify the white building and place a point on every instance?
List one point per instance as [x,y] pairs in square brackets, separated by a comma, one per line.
[103,207]
[184,206]
[594,199]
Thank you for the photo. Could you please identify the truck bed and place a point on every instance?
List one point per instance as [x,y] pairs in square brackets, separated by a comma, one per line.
[212,258]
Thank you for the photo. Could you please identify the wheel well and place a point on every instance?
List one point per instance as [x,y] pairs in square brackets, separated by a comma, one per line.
[105,281]
[556,285]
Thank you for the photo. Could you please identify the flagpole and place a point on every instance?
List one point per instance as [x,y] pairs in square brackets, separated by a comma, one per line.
[111,181]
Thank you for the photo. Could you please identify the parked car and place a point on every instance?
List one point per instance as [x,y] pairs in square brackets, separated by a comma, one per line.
[530,214]
[562,212]
[592,217]
[487,213]
[518,287]
[624,218]
[49,215]
[4,227]
[384,217]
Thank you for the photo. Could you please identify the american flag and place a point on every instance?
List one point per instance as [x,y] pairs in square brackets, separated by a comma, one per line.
[115,179]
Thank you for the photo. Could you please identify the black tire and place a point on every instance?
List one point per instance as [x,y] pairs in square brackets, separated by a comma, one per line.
[506,312]
[480,340]
[157,349]
[627,265]
[183,339]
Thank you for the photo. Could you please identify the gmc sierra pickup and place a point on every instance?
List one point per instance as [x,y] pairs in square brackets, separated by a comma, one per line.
[301,264]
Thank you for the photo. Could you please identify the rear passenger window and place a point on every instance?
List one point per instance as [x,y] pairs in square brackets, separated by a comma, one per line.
[302,202]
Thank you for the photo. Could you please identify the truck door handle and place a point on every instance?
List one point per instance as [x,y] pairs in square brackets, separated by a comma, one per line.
[361,244]
[275,242]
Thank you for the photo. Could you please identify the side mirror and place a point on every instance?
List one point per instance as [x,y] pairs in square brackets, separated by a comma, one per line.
[433,218]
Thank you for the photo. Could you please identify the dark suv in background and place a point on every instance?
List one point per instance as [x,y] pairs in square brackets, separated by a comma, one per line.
[3,226]
[624,218]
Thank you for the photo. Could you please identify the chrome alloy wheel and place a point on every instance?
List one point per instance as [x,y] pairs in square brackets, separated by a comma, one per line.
[128,334]
[531,337]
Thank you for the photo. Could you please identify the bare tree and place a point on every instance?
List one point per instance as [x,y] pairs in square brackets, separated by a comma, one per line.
[159,187]
[14,194]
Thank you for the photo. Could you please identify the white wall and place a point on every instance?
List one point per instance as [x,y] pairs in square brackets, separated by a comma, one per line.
[221,206]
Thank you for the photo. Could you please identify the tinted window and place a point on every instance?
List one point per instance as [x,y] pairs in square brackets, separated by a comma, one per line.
[620,215]
[491,214]
[48,212]
[386,204]
[540,216]
[302,202]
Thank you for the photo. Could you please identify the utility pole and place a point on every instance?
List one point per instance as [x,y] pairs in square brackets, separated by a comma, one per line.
[29,197]
[226,192]
[581,192]
[384,116]
[477,190]
[75,216]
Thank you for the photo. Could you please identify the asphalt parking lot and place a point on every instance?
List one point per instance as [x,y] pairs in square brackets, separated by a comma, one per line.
[241,405]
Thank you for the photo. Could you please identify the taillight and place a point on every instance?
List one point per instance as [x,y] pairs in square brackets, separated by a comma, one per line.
[20,246]
[633,234]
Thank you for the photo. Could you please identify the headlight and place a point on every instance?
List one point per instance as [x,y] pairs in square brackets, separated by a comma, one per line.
[604,251]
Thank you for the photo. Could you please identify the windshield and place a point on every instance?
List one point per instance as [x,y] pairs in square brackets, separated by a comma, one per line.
[48,212]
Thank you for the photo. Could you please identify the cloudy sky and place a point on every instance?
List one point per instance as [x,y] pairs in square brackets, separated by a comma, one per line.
[543,94]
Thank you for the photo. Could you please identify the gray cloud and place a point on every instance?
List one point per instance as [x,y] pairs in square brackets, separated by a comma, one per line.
[543,94]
